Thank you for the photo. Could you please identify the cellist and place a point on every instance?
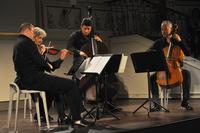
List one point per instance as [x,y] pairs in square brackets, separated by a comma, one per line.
[168,37]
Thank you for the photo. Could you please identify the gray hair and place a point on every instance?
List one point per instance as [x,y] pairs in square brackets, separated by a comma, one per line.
[25,26]
[39,31]
[166,23]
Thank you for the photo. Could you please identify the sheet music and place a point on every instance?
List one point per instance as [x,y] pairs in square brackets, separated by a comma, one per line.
[97,64]
[83,66]
[122,63]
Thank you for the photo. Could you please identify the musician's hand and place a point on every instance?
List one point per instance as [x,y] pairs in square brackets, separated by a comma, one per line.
[177,37]
[42,49]
[83,54]
[97,38]
[64,53]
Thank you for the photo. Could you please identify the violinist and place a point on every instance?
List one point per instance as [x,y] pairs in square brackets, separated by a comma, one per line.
[30,67]
[169,37]
[39,35]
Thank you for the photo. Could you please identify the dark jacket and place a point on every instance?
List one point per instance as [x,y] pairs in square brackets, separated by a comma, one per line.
[161,43]
[29,64]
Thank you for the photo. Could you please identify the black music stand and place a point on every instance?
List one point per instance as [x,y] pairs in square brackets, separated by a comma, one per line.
[72,71]
[99,72]
[75,66]
[149,62]
[111,67]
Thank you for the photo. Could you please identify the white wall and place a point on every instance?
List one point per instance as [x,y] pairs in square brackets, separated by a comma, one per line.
[136,83]
[12,15]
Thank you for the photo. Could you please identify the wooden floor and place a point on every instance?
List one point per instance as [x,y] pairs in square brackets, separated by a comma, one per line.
[108,124]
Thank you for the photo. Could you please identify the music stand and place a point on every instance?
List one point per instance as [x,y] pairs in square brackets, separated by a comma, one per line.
[111,67]
[75,66]
[149,62]
[74,71]
[98,67]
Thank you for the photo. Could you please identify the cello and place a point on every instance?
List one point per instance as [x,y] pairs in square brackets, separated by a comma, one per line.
[174,55]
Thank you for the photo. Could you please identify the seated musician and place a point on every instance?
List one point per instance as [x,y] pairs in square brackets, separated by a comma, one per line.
[159,44]
[30,65]
[39,35]
[78,39]
[80,44]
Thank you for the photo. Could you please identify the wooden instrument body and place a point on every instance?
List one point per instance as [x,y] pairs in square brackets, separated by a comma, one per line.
[175,77]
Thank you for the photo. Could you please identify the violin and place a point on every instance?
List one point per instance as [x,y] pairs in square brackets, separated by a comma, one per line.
[52,50]
[49,50]
[174,55]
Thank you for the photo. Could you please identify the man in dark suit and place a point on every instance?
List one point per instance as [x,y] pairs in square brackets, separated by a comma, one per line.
[29,65]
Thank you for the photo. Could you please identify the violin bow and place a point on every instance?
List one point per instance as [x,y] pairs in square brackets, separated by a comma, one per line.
[47,49]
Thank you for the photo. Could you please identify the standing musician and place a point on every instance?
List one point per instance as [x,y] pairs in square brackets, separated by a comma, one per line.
[159,45]
[29,65]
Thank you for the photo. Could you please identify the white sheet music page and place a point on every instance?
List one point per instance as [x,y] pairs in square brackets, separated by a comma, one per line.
[97,64]
[122,64]
[83,66]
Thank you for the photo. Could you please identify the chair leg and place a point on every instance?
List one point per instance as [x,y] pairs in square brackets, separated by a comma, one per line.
[16,111]
[37,109]
[43,96]
[10,107]
[164,97]
[30,107]
[181,92]
[25,101]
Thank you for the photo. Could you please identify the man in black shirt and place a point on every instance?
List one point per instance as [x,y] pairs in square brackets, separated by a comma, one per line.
[77,43]
[29,65]
[159,44]
[81,38]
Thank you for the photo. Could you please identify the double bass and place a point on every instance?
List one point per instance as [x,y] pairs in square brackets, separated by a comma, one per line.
[174,55]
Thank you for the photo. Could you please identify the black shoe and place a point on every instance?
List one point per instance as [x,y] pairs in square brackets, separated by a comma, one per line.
[155,108]
[186,106]
[64,120]
[42,118]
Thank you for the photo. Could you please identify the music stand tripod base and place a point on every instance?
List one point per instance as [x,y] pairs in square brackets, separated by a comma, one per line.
[99,106]
[151,61]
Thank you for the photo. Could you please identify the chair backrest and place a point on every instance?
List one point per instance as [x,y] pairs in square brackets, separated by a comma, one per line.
[14,87]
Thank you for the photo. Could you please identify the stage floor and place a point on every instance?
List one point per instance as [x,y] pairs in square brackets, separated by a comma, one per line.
[109,124]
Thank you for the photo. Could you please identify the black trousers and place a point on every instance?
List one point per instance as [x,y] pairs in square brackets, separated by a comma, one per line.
[185,85]
[54,86]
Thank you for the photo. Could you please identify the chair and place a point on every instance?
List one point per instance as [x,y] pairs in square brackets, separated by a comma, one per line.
[14,90]
[164,96]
